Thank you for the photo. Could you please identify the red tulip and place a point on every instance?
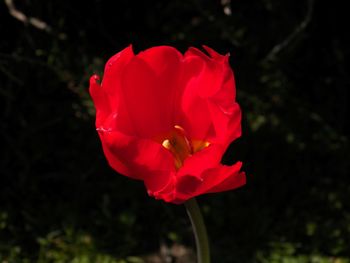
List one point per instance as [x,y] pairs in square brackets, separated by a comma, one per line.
[167,119]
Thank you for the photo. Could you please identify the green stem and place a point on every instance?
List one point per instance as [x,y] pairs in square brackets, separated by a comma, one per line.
[200,232]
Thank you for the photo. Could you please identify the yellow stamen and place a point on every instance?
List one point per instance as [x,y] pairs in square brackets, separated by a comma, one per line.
[181,146]
[199,145]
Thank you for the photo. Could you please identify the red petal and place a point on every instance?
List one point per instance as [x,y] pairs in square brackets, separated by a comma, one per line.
[195,110]
[210,82]
[186,187]
[166,63]
[203,173]
[138,158]
[116,159]
[186,181]
[189,178]
[195,52]
[233,181]
[214,54]
[164,60]
[107,96]
[209,79]
[206,158]
[100,100]
[222,178]
[113,72]
[149,89]
[227,123]
[167,192]
[218,179]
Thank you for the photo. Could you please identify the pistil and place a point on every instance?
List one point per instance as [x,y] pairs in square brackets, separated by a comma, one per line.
[181,146]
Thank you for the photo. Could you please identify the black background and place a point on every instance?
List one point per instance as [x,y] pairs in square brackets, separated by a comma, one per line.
[59,200]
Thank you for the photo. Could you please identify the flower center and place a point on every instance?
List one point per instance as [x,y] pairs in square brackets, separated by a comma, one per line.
[181,146]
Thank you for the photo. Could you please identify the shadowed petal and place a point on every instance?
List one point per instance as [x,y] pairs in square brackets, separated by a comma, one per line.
[218,179]
[137,158]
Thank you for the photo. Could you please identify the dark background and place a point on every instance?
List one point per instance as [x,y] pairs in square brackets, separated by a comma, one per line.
[59,200]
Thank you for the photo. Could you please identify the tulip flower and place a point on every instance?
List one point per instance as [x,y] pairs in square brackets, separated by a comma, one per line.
[167,118]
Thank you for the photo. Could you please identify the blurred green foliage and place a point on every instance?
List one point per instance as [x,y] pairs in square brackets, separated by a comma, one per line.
[59,200]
